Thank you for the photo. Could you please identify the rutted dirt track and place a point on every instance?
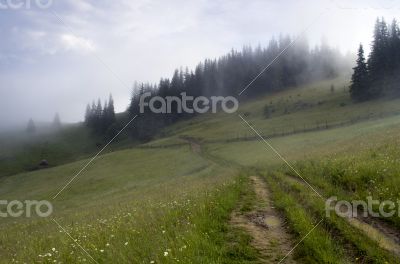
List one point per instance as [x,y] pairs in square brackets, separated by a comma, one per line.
[385,235]
[265,226]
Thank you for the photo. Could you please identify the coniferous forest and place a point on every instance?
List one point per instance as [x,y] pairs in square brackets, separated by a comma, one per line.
[372,77]
[101,119]
[229,75]
[378,74]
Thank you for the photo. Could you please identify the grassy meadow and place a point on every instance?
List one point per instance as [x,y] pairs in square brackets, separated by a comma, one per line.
[164,202]
[125,208]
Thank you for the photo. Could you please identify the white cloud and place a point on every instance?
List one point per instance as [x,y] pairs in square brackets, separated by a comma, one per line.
[74,43]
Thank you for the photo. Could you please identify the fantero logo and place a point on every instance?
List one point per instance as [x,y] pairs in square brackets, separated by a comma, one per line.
[27,208]
[187,104]
[25,4]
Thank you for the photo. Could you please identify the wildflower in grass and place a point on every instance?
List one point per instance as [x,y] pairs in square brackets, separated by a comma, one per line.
[101,250]
[126,243]
[166,253]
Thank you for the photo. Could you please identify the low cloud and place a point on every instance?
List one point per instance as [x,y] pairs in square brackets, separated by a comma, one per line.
[144,40]
[71,42]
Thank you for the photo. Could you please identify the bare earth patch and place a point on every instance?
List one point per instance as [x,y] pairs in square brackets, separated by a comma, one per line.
[265,226]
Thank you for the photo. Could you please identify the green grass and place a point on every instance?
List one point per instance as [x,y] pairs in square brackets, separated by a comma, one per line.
[21,151]
[358,245]
[135,205]
[355,176]
[302,108]
[191,229]
[180,206]
[317,246]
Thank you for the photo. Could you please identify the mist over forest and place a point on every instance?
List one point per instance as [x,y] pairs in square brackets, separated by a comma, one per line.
[238,132]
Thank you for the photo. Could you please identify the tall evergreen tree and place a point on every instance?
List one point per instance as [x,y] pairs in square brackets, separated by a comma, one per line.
[104,119]
[359,88]
[57,121]
[88,115]
[378,60]
[98,114]
[31,128]
[394,43]
[111,111]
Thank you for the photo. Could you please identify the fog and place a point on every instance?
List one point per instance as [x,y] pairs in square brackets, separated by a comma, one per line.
[59,59]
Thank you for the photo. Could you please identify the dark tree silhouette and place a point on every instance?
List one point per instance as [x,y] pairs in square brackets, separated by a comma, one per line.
[101,119]
[383,65]
[231,73]
[31,128]
[57,121]
[227,75]
[359,81]
[378,59]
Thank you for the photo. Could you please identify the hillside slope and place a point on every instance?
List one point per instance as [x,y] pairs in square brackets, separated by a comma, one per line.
[171,199]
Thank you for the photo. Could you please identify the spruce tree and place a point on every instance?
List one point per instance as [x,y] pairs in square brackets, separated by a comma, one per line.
[31,128]
[104,119]
[394,46]
[359,88]
[57,121]
[88,115]
[98,113]
[111,111]
[378,60]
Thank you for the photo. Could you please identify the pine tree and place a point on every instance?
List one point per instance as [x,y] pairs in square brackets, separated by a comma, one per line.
[57,121]
[111,111]
[394,45]
[359,88]
[378,60]
[104,119]
[31,128]
[88,115]
[97,118]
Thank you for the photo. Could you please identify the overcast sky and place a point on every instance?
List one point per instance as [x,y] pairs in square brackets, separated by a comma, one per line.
[58,59]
